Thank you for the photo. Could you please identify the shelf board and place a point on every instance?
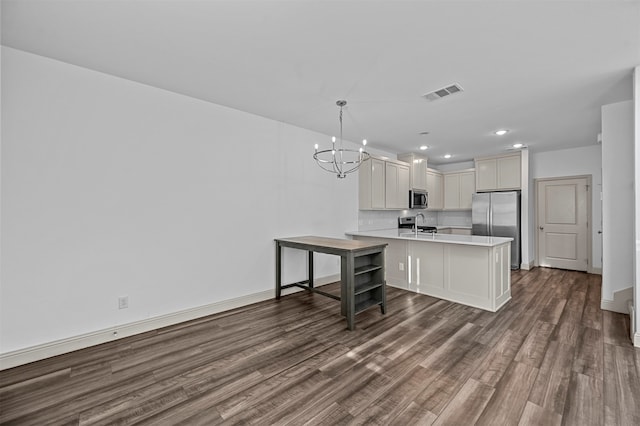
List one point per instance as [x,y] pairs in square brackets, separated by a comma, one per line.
[365,304]
[366,268]
[363,288]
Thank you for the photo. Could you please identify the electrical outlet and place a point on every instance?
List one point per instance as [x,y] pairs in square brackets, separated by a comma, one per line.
[401,266]
[123,302]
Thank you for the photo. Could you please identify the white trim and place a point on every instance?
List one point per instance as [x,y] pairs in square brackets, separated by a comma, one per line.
[632,318]
[619,302]
[636,339]
[595,271]
[59,347]
[527,266]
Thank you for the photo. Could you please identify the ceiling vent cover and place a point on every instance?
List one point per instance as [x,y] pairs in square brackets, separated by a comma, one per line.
[444,92]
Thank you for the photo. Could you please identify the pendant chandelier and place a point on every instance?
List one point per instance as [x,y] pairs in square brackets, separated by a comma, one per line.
[341,161]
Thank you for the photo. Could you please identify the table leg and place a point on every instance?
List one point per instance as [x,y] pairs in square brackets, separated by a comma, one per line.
[343,285]
[383,305]
[278,270]
[350,302]
[310,269]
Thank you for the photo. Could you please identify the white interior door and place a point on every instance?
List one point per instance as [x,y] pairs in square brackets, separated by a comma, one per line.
[562,224]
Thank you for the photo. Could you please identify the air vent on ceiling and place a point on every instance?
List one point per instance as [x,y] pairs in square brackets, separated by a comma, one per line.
[444,92]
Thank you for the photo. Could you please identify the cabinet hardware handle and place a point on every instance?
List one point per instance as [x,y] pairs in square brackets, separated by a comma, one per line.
[542,228]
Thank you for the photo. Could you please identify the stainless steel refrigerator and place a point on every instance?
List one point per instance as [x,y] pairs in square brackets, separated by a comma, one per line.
[497,214]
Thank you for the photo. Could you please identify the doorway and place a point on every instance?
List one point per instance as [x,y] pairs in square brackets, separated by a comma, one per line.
[563,216]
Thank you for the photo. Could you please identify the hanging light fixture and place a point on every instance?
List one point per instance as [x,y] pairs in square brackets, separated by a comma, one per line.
[341,161]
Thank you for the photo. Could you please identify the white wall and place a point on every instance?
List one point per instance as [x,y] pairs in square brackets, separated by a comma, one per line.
[636,264]
[617,197]
[111,188]
[572,162]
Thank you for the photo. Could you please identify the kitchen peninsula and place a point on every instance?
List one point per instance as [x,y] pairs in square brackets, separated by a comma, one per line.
[468,269]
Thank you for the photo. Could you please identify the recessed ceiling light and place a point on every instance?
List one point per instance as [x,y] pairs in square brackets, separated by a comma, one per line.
[423,147]
[518,145]
[447,156]
[501,132]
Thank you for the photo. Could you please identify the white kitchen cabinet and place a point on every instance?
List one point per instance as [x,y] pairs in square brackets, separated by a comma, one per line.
[498,173]
[508,170]
[471,275]
[426,267]
[467,189]
[435,190]
[458,190]
[371,176]
[383,185]
[397,177]
[418,171]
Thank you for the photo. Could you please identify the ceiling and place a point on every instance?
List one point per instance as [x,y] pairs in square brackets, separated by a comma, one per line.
[541,69]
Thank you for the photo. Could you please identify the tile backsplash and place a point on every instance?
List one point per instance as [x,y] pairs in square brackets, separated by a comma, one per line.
[384,219]
[454,218]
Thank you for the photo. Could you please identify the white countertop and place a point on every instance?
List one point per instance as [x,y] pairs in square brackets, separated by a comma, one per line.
[405,234]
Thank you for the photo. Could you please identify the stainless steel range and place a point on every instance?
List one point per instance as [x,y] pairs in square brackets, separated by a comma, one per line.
[410,222]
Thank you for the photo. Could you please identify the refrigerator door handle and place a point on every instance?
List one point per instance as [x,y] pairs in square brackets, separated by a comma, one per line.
[490,220]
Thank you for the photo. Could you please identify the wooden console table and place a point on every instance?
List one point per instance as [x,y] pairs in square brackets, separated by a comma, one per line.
[361,273]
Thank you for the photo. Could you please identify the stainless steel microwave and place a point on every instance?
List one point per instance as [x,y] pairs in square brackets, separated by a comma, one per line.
[418,199]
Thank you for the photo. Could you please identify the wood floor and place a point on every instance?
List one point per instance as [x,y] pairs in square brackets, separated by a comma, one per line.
[550,356]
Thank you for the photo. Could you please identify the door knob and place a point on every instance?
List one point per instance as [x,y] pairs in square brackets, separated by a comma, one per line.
[542,228]
[599,232]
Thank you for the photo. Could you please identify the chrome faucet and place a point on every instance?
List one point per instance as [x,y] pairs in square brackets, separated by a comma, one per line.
[416,223]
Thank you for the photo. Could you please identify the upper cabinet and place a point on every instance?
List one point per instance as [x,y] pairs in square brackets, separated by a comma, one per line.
[371,184]
[498,173]
[383,184]
[397,180]
[458,190]
[418,174]
[435,189]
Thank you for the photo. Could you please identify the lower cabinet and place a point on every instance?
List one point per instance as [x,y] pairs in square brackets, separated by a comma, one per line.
[477,276]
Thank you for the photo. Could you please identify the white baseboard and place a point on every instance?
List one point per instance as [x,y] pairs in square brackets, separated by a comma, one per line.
[59,347]
[595,271]
[636,339]
[527,266]
[619,302]
[632,320]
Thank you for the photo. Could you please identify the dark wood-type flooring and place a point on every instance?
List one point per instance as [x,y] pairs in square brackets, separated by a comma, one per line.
[550,356]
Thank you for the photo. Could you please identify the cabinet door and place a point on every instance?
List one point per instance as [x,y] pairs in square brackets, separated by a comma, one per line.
[391,185]
[427,267]
[434,188]
[452,191]
[486,174]
[397,186]
[404,184]
[377,184]
[419,173]
[467,188]
[371,185]
[508,172]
